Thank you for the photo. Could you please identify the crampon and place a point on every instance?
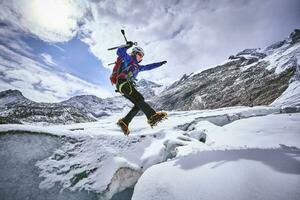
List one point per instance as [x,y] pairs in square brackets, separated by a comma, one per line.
[123,126]
[156,118]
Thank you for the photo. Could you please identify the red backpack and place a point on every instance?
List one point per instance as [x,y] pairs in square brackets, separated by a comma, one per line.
[117,71]
[114,75]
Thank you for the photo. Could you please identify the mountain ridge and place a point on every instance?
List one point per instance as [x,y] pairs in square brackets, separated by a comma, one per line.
[251,77]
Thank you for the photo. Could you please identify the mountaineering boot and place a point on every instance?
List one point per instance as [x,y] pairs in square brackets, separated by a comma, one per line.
[157,117]
[123,126]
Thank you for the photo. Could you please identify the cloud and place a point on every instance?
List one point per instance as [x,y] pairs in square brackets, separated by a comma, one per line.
[53,21]
[20,70]
[48,59]
[190,35]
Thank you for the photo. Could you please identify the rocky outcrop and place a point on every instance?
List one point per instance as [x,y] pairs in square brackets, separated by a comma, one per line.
[251,77]
[295,36]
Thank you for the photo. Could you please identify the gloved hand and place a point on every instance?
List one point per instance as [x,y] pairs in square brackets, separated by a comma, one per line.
[163,62]
[130,44]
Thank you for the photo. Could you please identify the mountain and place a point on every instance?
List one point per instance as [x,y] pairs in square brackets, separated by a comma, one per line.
[251,77]
[149,88]
[15,108]
[96,106]
[99,107]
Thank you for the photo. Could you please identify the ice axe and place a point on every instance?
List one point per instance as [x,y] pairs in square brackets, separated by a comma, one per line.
[124,45]
[123,33]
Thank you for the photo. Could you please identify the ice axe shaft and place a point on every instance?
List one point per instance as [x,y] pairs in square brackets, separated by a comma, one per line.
[112,48]
[121,46]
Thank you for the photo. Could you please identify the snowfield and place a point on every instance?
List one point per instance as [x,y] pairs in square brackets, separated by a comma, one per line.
[249,153]
[254,158]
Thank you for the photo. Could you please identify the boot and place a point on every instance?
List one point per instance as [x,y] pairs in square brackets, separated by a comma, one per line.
[123,126]
[157,117]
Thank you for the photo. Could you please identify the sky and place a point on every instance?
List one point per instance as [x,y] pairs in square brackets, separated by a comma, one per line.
[51,50]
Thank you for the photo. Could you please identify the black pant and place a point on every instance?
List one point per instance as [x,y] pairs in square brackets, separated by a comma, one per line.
[136,98]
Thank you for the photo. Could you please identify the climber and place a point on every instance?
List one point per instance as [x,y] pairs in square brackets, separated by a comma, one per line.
[124,76]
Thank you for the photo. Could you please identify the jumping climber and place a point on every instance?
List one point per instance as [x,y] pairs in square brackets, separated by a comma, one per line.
[124,76]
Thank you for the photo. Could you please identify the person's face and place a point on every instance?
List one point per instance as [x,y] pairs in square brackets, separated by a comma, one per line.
[139,57]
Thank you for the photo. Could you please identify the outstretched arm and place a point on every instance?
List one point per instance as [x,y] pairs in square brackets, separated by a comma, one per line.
[151,66]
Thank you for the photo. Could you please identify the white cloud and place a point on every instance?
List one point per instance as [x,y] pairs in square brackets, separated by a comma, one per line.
[50,20]
[40,84]
[48,59]
[190,35]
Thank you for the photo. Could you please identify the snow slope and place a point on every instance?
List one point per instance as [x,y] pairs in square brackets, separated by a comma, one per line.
[248,152]
[254,158]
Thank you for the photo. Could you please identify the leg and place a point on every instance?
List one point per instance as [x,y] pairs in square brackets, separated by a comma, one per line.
[134,96]
[127,119]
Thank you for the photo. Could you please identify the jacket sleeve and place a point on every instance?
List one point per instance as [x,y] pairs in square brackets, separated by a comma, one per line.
[121,52]
[150,66]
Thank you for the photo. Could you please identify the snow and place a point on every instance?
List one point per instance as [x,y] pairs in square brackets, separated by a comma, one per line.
[283,58]
[231,174]
[246,149]
[290,97]
[254,158]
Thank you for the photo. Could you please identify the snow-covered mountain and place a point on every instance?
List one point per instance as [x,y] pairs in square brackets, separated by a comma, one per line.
[15,108]
[102,107]
[251,77]
[98,107]
[149,88]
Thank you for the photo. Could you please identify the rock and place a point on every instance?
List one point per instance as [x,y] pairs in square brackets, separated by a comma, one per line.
[295,36]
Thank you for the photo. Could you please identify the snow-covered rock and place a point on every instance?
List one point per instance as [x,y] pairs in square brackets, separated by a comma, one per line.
[15,108]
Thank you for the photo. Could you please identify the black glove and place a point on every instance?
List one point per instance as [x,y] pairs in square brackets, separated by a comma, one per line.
[163,62]
[129,44]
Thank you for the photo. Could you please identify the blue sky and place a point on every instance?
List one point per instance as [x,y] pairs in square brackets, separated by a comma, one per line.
[73,57]
[52,50]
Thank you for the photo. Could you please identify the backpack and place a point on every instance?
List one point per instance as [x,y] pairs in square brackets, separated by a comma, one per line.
[114,74]
[118,71]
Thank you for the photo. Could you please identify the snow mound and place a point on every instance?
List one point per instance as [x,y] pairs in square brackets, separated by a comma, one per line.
[224,174]
[254,158]
[201,146]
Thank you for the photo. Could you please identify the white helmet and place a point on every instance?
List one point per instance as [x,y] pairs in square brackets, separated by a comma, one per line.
[138,50]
